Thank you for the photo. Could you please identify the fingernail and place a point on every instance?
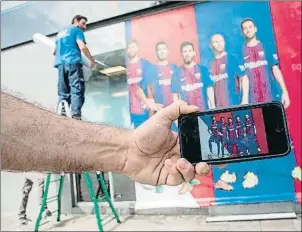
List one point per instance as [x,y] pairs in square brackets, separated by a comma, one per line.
[183,164]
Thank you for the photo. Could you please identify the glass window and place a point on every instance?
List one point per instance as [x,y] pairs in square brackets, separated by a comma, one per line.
[106,98]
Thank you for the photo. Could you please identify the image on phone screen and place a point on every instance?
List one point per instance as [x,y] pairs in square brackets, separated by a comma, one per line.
[232,134]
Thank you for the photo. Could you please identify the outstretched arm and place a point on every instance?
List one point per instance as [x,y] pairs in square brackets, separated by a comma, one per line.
[33,139]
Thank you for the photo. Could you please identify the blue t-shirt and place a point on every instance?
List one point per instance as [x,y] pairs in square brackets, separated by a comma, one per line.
[67,50]
[159,78]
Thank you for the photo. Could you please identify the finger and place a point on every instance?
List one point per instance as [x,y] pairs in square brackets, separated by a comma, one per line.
[174,178]
[173,111]
[186,169]
[202,169]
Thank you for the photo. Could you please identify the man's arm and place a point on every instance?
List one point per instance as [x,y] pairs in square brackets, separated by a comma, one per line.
[33,139]
[150,102]
[279,78]
[211,97]
[244,82]
[84,49]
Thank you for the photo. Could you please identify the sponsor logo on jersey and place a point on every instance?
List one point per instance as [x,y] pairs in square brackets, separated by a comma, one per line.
[219,77]
[165,82]
[191,87]
[255,64]
[135,80]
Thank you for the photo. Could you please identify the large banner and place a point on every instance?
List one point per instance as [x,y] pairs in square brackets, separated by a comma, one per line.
[230,49]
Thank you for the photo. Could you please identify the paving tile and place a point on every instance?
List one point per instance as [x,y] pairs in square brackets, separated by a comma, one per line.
[297,224]
[278,225]
[244,226]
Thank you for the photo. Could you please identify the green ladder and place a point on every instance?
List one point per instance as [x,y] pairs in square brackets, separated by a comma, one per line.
[51,199]
[96,200]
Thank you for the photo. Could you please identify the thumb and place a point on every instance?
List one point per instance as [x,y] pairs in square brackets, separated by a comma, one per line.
[173,111]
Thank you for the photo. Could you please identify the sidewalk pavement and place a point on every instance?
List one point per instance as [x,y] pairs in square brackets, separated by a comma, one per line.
[149,223]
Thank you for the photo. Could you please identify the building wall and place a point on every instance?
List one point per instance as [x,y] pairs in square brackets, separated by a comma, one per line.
[27,69]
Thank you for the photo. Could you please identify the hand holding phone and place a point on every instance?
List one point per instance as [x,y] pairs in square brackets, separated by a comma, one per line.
[234,134]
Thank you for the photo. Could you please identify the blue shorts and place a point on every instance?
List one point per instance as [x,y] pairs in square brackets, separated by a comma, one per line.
[138,119]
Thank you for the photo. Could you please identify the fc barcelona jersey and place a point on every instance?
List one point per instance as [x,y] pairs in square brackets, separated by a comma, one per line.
[225,73]
[232,131]
[160,79]
[258,65]
[192,84]
[136,72]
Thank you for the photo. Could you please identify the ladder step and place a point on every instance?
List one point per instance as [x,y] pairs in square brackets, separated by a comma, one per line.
[52,200]
[54,211]
[101,199]
[56,180]
[52,197]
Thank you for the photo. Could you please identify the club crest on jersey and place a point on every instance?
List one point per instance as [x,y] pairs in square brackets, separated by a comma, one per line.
[261,53]
[132,81]
[198,75]
[222,67]
[139,71]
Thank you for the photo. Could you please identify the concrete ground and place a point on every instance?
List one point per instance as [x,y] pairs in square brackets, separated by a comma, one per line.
[149,223]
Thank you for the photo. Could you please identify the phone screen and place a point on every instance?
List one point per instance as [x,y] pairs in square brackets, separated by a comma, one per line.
[233,134]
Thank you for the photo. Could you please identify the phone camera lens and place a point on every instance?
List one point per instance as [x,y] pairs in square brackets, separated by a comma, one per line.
[278,129]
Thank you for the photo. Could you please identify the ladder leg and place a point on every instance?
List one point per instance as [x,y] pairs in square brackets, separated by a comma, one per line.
[95,200]
[47,182]
[59,196]
[104,189]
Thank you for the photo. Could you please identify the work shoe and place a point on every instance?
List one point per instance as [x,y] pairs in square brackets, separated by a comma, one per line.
[46,213]
[76,116]
[24,221]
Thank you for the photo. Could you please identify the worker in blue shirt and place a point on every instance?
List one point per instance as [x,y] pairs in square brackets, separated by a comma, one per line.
[70,42]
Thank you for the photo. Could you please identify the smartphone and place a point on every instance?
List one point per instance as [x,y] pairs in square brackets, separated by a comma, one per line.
[234,134]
